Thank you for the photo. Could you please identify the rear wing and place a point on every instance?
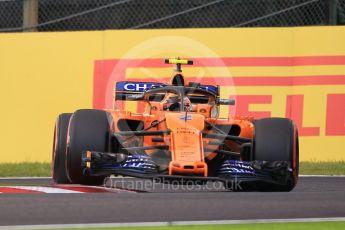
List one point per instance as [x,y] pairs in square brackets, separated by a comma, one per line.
[133,91]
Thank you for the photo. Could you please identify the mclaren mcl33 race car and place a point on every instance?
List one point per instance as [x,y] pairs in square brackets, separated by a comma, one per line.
[179,137]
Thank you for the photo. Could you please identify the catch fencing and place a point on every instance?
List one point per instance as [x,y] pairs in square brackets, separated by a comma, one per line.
[72,15]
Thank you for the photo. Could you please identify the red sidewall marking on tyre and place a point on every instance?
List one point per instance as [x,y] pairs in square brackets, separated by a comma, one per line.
[294,156]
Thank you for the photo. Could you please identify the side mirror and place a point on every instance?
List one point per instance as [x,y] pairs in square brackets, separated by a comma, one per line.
[225,101]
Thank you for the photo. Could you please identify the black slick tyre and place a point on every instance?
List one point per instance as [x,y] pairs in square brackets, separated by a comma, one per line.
[59,149]
[88,130]
[276,140]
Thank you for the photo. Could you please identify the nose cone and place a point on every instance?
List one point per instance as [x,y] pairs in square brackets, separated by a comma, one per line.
[186,143]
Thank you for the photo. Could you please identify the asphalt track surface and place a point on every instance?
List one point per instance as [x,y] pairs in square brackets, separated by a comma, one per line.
[314,197]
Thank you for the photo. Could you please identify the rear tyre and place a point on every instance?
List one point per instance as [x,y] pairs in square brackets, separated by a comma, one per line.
[88,130]
[276,140]
[59,149]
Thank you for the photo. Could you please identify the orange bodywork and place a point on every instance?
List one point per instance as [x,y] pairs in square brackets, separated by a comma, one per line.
[189,149]
[186,143]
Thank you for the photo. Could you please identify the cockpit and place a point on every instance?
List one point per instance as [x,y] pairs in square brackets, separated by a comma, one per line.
[177,98]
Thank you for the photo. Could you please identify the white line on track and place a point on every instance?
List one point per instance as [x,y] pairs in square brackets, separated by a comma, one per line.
[44,189]
[171,223]
[62,189]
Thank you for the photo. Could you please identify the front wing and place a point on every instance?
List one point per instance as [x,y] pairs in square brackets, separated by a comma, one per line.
[142,166]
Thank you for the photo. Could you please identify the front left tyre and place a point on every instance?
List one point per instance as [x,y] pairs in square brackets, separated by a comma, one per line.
[276,141]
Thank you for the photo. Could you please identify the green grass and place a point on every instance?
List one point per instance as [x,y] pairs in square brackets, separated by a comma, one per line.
[322,168]
[25,169]
[275,226]
[43,169]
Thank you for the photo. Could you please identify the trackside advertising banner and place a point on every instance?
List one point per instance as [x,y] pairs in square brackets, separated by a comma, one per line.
[271,72]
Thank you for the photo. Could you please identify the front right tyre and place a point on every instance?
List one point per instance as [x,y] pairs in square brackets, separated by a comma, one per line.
[59,149]
[89,129]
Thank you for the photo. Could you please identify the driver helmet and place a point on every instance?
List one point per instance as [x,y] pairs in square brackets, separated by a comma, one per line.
[187,104]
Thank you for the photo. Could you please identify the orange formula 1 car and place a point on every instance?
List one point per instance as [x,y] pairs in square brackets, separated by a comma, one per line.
[179,137]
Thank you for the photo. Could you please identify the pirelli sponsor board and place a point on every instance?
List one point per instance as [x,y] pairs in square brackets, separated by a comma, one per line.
[314,100]
[293,93]
[271,72]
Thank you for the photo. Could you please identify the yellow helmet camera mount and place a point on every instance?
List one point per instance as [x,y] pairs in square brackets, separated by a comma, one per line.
[178,62]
